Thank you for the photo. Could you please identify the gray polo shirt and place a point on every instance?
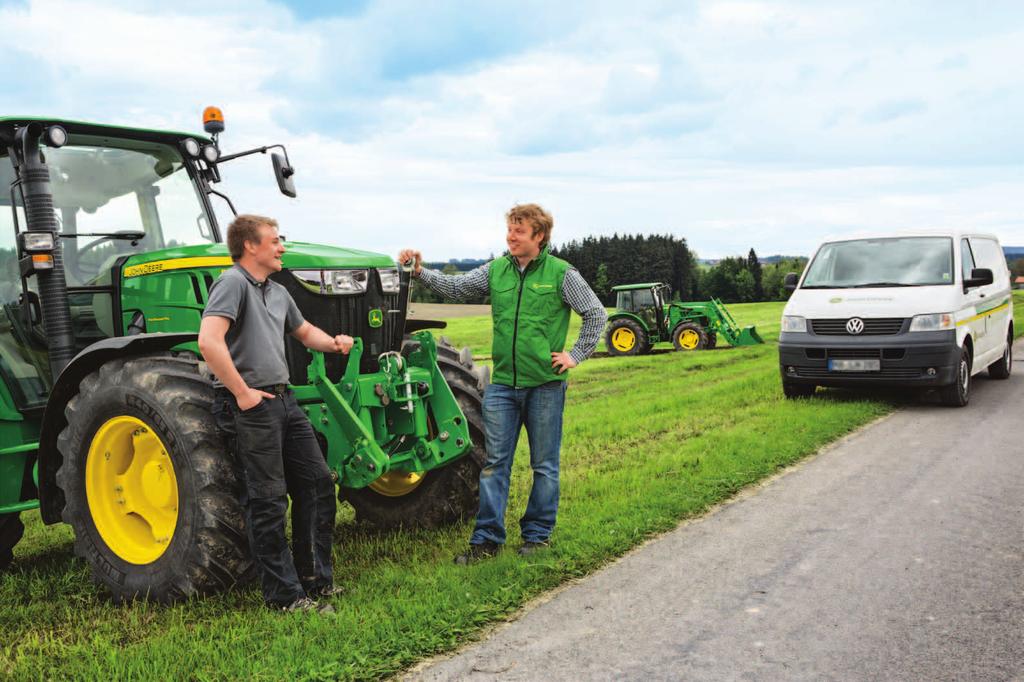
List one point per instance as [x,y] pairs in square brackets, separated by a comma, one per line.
[261,313]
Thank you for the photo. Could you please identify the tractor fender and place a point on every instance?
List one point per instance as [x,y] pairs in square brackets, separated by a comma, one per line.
[51,498]
[631,316]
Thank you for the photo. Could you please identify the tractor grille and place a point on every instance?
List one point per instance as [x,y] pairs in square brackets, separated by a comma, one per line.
[873,326]
[343,315]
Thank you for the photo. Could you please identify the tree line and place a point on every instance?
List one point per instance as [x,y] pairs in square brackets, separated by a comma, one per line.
[630,259]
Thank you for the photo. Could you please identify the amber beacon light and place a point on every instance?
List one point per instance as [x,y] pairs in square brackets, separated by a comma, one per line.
[213,120]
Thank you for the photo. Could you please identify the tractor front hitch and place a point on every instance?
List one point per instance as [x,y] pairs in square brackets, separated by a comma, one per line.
[403,416]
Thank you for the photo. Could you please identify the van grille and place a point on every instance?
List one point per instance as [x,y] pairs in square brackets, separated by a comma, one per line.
[873,326]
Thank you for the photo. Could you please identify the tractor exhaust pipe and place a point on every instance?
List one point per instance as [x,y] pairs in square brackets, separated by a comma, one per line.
[39,216]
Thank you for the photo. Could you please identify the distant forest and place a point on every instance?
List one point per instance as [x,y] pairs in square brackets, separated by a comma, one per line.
[628,259]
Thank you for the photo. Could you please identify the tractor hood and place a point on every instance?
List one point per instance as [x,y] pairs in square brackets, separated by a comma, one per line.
[299,256]
[873,302]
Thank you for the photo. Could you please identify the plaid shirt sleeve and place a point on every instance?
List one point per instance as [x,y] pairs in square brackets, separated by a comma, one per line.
[581,298]
[457,287]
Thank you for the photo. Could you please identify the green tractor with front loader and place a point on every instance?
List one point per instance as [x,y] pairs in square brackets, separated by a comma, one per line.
[109,245]
[645,315]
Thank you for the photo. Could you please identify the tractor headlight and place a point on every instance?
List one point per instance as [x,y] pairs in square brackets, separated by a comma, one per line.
[337,282]
[794,323]
[390,282]
[190,146]
[211,153]
[37,242]
[932,323]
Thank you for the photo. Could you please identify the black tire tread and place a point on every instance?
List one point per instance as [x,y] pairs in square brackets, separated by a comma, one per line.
[11,531]
[642,345]
[218,554]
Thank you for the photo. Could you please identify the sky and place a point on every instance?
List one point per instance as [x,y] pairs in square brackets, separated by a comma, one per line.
[732,124]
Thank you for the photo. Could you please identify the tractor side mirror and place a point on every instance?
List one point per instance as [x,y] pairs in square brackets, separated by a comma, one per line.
[979,277]
[789,284]
[283,172]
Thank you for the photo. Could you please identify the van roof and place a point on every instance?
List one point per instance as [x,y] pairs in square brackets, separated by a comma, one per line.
[921,232]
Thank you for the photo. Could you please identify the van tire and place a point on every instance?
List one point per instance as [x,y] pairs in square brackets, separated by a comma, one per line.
[1000,369]
[958,394]
[793,391]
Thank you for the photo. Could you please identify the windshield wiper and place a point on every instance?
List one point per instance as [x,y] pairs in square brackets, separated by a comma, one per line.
[881,285]
[126,234]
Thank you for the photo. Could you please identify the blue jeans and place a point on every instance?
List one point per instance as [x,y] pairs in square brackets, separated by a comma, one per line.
[506,410]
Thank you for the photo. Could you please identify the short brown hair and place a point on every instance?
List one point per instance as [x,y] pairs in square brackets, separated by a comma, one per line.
[536,217]
[245,228]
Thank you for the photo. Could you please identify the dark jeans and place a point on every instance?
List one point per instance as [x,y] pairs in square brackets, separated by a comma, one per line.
[279,454]
[506,410]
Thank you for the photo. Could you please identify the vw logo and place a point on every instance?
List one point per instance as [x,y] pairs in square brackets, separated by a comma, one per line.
[855,325]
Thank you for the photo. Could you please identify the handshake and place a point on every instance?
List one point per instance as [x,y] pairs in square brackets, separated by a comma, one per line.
[343,344]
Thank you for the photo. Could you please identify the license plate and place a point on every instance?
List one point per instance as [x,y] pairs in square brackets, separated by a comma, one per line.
[871,365]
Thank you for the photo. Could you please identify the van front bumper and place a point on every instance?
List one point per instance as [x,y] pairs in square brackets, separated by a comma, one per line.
[919,359]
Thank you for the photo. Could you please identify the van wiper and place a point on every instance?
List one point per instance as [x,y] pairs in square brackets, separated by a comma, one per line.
[881,284]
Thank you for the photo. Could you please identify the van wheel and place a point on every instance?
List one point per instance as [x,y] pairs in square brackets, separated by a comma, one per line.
[793,391]
[1000,369]
[958,393]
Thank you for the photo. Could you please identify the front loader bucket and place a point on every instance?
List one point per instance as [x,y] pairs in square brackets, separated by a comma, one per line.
[749,337]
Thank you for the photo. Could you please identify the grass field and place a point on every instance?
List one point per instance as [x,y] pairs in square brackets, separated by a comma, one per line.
[648,441]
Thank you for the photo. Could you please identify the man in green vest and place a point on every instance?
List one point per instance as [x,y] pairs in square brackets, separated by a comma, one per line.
[532,294]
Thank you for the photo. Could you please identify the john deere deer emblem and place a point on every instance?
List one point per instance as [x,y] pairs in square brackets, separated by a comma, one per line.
[376,317]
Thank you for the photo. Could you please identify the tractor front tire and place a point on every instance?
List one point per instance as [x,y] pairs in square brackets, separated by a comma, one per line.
[151,490]
[11,530]
[689,336]
[444,495]
[626,337]
[712,340]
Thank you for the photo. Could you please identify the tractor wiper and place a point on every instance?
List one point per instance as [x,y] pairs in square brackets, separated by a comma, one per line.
[125,234]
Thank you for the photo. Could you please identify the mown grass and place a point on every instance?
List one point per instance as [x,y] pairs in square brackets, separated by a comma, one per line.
[648,441]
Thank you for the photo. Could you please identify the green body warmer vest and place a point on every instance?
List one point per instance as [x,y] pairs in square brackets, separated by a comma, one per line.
[530,319]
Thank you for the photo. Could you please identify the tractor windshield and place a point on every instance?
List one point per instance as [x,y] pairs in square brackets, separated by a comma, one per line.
[113,198]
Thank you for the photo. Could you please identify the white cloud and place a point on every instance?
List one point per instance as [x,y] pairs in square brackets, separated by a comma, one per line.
[733,124]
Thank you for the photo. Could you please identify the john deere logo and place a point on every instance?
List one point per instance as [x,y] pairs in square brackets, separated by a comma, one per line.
[376,317]
[837,299]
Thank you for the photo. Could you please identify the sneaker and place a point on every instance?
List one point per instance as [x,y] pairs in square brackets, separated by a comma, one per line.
[307,604]
[484,550]
[529,548]
[326,591]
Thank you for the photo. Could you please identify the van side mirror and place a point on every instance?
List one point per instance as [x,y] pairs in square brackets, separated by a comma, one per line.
[789,284]
[979,277]
[283,172]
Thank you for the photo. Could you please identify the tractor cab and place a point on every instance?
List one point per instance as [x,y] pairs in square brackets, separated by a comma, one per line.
[646,301]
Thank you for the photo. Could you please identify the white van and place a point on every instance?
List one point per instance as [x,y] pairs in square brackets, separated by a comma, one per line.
[926,310]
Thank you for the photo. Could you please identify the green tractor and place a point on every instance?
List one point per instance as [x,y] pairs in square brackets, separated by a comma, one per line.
[108,250]
[644,316]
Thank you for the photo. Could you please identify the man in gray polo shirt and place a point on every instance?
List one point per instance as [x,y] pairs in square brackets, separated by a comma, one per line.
[242,339]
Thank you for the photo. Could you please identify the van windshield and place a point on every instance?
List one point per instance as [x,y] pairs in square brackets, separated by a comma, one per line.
[896,262]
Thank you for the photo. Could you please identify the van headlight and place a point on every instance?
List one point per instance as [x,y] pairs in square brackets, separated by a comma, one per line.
[390,281]
[794,323]
[338,282]
[932,323]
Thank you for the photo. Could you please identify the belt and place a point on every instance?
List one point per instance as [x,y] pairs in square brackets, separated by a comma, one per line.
[276,389]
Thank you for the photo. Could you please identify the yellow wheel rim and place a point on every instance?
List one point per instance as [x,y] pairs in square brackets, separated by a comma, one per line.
[688,339]
[397,483]
[623,339]
[131,490]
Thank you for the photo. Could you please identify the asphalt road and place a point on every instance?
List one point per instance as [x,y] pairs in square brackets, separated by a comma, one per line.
[896,554]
